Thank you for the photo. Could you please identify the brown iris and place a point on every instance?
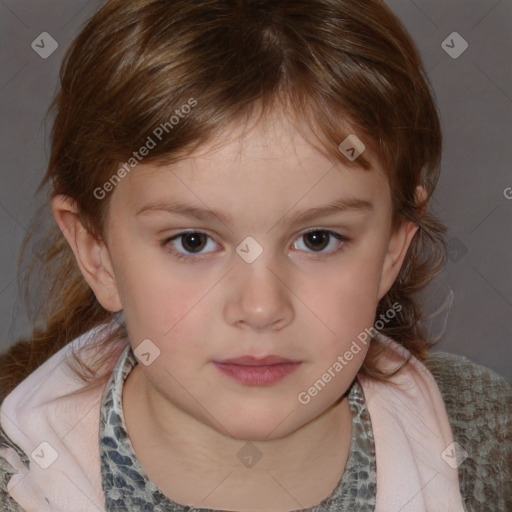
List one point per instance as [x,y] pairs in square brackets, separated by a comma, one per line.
[193,241]
[314,237]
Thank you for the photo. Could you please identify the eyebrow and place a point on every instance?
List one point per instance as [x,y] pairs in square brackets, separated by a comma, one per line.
[343,204]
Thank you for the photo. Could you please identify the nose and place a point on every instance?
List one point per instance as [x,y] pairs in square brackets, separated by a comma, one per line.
[259,298]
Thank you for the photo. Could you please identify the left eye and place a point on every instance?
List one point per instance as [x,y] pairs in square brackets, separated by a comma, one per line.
[319,239]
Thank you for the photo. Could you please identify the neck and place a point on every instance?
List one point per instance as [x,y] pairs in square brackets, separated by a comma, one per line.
[290,472]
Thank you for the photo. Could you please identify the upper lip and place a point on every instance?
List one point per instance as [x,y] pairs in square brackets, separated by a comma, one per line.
[257,361]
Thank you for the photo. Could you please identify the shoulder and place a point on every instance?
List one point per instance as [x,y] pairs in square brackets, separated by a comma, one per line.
[478,402]
[454,373]
[7,503]
[465,384]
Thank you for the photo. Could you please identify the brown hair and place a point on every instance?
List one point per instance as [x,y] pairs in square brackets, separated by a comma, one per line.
[341,66]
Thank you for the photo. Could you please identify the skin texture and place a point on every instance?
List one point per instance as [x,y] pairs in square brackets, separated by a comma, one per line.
[187,420]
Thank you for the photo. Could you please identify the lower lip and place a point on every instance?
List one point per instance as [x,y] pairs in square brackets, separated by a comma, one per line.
[257,375]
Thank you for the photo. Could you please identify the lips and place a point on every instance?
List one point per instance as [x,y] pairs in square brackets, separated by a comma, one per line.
[257,371]
[257,361]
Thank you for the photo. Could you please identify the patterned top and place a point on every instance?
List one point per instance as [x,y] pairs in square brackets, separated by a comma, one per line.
[479,407]
[128,489]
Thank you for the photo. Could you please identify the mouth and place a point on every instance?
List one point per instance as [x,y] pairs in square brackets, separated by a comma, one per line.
[257,371]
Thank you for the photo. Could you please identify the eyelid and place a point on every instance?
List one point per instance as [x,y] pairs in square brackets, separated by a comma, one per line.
[194,257]
[333,234]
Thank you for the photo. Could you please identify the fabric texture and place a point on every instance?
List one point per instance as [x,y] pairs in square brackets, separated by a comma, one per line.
[128,488]
[478,403]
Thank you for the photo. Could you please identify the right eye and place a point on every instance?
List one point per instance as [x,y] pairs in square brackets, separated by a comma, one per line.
[191,242]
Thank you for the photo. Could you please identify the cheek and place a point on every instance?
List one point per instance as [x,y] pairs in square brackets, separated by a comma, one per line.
[346,295]
[160,301]
[174,321]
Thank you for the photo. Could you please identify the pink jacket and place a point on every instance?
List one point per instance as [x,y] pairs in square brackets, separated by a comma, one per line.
[57,426]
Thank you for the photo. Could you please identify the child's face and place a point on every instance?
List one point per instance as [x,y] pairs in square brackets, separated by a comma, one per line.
[289,300]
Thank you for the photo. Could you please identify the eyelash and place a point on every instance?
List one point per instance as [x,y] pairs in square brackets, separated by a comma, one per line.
[195,258]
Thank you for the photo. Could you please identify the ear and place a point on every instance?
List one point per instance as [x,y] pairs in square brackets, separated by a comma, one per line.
[91,253]
[399,243]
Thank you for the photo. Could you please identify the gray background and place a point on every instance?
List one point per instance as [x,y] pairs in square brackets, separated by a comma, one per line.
[474,94]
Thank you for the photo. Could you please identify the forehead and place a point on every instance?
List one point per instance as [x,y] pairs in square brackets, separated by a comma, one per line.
[279,136]
[271,165]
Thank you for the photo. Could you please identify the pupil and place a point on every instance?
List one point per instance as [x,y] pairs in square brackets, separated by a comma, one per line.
[197,241]
[315,237]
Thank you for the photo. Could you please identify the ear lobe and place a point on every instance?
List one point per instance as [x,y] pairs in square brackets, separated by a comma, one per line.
[397,249]
[91,253]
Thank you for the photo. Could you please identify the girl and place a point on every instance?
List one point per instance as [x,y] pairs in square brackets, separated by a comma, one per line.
[232,319]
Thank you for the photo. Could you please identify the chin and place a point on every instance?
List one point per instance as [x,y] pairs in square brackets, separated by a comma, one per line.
[261,426]
[255,433]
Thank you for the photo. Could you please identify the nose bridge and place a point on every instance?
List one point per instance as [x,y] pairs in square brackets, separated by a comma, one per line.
[261,298]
